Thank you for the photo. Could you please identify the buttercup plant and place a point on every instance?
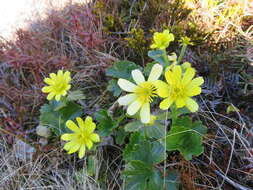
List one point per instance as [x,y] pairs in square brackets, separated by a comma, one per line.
[167,94]
[175,90]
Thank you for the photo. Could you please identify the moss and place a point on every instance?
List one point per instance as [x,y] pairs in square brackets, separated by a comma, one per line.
[137,41]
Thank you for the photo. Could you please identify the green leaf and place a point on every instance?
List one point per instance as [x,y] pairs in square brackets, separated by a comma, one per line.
[154,131]
[148,152]
[114,87]
[122,69]
[155,180]
[186,137]
[134,139]
[159,56]
[60,104]
[75,95]
[133,126]
[106,122]
[120,136]
[55,116]
[176,112]
[137,175]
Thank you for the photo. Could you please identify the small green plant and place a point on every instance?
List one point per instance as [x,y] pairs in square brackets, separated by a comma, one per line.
[152,129]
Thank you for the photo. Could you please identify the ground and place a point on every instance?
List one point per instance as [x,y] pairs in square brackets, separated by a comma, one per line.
[88,39]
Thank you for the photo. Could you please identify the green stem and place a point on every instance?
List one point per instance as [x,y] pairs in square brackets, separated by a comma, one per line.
[173,113]
[182,53]
[165,56]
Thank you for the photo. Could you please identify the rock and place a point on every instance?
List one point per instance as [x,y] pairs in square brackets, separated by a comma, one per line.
[43,131]
[23,151]
[43,141]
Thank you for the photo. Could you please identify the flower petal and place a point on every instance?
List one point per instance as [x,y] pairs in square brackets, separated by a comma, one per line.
[155,73]
[58,97]
[68,87]
[89,125]
[145,113]
[180,102]
[89,144]
[163,89]
[138,76]
[94,137]
[177,73]
[66,74]
[80,122]
[52,75]
[197,81]
[192,105]
[193,91]
[72,126]
[168,77]
[81,152]
[188,76]
[49,81]
[50,95]
[69,145]
[166,103]
[60,73]
[88,120]
[68,137]
[46,89]
[134,107]
[74,148]
[64,93]
[126,85]
[127,99]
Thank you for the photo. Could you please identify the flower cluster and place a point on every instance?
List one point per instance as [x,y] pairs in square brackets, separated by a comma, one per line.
[179,86]
[82,136]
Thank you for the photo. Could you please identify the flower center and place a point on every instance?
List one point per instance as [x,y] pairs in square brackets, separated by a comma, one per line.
[177,92]
[145,92]
[59,86]
[83,137]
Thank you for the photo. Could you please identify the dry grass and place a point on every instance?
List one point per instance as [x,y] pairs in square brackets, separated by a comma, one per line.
[73,38]
[44,172]
[223,20]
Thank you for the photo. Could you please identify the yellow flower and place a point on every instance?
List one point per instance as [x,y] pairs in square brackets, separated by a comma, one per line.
[142,94]
[82,137]
[58,85]
[162,40]
[179,88]
[185,40]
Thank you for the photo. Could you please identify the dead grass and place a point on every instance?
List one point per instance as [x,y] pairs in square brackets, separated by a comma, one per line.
[44,171]
[222,20]
[74,39]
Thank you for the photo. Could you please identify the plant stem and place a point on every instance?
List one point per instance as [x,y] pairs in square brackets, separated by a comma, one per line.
[165,57]
[182,53]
